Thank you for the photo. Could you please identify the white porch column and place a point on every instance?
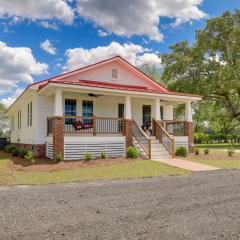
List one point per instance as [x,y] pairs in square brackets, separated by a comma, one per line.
[157,110]
[128,110]
[58,108]
[188,112]
[168,112]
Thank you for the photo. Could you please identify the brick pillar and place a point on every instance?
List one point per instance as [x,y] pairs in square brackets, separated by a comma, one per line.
[58,136]
[189,133]
[128,132]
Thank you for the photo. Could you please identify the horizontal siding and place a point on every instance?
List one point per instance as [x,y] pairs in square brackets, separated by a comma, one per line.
[103,74]
[75,148]
[49,150]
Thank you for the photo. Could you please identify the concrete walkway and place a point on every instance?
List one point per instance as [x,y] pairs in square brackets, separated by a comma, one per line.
[188,165]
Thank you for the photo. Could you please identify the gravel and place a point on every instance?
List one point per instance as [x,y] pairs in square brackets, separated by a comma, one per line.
[194,206]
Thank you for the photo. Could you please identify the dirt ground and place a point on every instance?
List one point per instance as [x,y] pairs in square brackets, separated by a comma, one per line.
[45,164]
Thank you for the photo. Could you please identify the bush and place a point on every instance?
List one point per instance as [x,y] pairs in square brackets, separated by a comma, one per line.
[22,153]
[231,151]
[6,149]
[196,151]
[206,151]
[132,152]
[200,137]
[29,157]
[181,152]
[59,157]
[88,156]
[15,152]
[103,155]
[10,148]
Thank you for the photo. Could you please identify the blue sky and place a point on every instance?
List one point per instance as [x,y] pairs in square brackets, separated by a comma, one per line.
[35,36]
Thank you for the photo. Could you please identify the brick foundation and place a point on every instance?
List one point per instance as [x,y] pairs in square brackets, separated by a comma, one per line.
[189,132]
[39,150]
[58,136]
[128,132]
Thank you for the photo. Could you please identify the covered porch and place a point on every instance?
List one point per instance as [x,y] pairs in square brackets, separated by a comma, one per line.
[105,117]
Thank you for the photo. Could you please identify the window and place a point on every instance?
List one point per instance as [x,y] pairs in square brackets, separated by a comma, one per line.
[70,109]
[114,73]
[87,110]
[19,119]
[12,123]
[120,110]
[146,116]
[29,114]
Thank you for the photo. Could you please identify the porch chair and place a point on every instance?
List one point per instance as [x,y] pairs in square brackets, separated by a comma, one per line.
[78,125]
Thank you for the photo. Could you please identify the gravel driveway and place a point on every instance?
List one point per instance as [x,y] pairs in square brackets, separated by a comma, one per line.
[194,206]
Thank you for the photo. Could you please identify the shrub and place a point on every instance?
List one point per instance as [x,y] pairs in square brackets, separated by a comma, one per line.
[29,157]
[59,157]
[22,153]
[16,152]
[6,149]
[10,148]
[132,152]
[231,151]
[181,152]
[88,156]
[196,151]
[103,155]
[206,151]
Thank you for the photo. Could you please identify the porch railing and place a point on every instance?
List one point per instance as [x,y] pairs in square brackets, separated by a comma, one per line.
[164,137]
[143,140]
[176,128]
[89,125]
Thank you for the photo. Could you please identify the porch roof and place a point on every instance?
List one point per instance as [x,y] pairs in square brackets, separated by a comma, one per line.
[107,85]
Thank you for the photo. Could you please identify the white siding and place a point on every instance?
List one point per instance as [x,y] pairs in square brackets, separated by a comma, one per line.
[103,74]
[76,147]
[27,134]
[45,109]
[181,141]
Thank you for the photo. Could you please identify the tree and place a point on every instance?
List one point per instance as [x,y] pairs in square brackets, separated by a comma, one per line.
[3,121]
[210,67]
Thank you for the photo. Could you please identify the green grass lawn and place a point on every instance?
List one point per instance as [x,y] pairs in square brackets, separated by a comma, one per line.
[132,169]
[227,164]
[217,145]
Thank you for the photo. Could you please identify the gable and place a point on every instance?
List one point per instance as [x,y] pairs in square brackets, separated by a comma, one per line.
[103,74]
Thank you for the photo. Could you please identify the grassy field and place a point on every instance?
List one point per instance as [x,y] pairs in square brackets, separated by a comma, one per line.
[132,169]
[216,158]
[218,145]
[226,164]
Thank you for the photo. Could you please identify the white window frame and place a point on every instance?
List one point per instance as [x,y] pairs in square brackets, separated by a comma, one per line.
[111,73]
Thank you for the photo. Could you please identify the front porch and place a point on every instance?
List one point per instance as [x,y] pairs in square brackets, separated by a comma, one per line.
[102,122]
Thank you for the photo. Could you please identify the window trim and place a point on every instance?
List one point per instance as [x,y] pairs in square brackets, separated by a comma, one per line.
[111,73]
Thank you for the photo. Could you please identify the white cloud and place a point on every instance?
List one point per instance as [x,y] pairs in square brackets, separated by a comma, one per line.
[9,100]
[48,47]
[17,64]
[138,17]
[49,25]
[135,54]
[102,33]
[37,10]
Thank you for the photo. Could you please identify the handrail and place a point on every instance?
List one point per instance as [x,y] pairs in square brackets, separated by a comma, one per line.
[160,138]
[146,149]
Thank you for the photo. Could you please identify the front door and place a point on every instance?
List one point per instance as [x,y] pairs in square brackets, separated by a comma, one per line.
[120,115]
[120,110]
[146,116]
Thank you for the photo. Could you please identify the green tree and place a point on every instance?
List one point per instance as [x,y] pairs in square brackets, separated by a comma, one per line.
[211,68]
[3,121]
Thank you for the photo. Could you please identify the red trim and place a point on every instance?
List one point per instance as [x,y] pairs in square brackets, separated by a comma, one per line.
[45,82]
[113,86]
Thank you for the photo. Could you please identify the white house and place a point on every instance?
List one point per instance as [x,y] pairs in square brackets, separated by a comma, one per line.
[104,107]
